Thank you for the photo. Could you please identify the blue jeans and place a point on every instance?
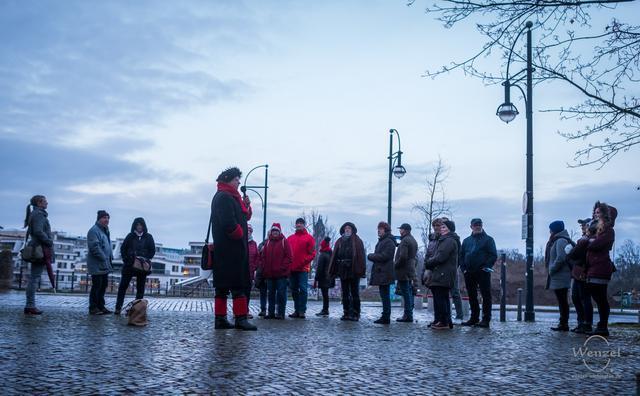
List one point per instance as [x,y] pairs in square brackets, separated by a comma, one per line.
[406,291]
[385,297]
[34,279]
[299,283]
[277,295]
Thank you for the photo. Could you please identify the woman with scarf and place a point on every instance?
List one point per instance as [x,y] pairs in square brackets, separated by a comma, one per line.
[348,264]
[229,215]
[39,230]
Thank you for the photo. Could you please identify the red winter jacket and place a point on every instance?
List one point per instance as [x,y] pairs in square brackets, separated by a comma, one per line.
[599,264]
[275,258]
[254,259]
[303,247]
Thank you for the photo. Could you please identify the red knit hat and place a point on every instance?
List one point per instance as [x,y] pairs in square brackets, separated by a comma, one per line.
[276,226]
[325,245]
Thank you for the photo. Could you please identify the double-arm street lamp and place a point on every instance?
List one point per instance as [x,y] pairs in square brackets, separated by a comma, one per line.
[395,168]
[264,187]
[507,113]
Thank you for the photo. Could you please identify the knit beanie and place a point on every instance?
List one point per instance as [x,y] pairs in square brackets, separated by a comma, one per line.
[101,214]
[556,226]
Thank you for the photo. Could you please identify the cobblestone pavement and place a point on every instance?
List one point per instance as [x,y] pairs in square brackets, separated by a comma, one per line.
[65,351]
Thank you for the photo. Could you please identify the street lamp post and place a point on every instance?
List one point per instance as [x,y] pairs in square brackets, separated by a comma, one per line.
[264,187]
[507,113]
[395,168]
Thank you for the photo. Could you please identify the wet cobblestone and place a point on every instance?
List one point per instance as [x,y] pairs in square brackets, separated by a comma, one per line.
[65,351]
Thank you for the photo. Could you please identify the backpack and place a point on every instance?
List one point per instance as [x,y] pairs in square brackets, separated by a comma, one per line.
[136,311]
[570,262]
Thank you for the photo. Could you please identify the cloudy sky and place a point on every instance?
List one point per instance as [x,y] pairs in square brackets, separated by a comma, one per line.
[135,107]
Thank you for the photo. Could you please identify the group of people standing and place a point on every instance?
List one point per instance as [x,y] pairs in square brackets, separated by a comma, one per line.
[279,262]
[138,245]
[585,266]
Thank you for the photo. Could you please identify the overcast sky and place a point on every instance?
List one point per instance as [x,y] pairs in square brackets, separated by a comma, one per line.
[135,107]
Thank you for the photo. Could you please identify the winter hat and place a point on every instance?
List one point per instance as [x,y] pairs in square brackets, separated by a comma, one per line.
[101,214]
[385,226]
[300,220]
[325,244]
[276,226]
[229,174]
[556,226]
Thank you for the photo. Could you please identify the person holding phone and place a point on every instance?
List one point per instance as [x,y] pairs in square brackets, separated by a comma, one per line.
[477,257]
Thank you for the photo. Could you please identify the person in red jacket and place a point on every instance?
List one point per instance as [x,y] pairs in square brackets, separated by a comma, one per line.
[303,247]
[254,257]
[275,261]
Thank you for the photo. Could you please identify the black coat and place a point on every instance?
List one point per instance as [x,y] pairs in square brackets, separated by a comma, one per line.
[382,271]
[405,261]
[134,245]
[322,271]
[230,256]
[444,263]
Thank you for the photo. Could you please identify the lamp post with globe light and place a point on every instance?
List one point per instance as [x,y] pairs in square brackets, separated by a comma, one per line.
[507,113]
[395,168]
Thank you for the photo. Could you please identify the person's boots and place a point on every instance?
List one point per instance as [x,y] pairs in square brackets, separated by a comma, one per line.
[32,311]
[470,322]
[222,323]
[240,313]
[599,330]
[323,313]
[561,327]
[384,319]
[405,319]
[243,324]
[586,328]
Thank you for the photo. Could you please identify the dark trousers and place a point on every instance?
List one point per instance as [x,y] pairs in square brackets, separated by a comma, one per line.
[98,288]
[441,304]
[385,297]
[406,291]
[563,305]
[350,296]
[263,296]
[599,294]
[582,301]
[125,279]
[473,281]
[325,299]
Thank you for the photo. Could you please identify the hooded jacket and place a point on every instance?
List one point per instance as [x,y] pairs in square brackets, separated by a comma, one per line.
[559,273]
[444,262]
[275,257]
[303,248]
[599,264]
[100,254]
[39,227]
[405,261]
[134,245]
[357,266]
[254,258]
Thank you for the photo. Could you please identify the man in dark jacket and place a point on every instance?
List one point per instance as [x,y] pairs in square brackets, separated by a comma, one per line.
[405,269]
[477,257]
[382,271]
[139,243]
[229,216]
